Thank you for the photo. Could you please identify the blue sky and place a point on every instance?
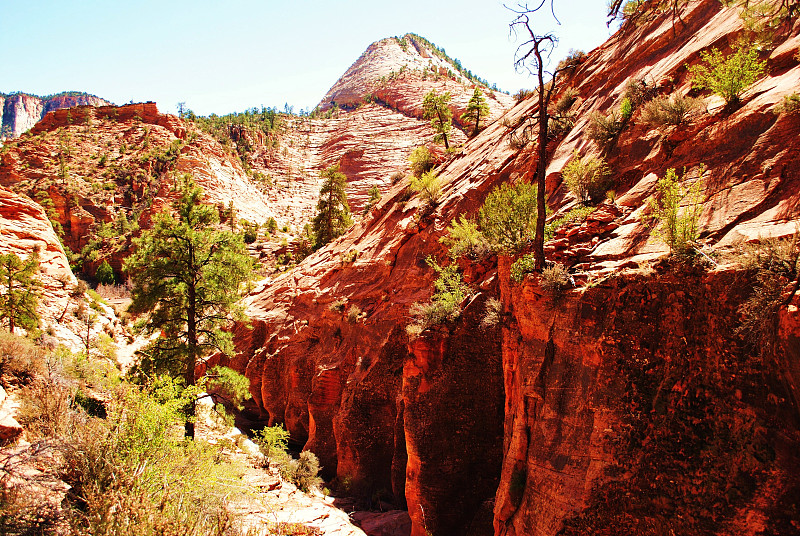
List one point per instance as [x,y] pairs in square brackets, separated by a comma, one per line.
[223,56]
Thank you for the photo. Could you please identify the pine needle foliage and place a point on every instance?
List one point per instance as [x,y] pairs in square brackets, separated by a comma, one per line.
[477,108]
[18,285]
[333,211]
[186,274]
[435,107]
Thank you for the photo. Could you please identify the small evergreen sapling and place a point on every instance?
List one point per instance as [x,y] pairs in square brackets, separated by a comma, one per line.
[435,107]
[19,285]
[333,211]
[476,110]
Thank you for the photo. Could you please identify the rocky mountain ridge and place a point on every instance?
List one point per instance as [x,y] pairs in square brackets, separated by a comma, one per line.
[20,111]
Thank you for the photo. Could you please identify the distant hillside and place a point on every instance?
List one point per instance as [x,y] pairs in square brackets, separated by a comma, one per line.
[19,111]
[388,67]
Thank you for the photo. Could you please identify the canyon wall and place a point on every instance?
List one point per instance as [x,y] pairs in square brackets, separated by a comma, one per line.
[601,392]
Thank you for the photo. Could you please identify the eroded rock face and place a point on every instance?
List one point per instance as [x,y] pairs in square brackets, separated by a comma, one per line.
[586,380]
[108,165]
[617,395]
[19,112]
[24,228]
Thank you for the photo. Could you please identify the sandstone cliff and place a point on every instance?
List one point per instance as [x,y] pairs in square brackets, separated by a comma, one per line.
[113,167]
[633,402]
[20,111]
[24,228]
[376,123]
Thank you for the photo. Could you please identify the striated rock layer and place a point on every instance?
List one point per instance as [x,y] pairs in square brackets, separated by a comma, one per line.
[633,402]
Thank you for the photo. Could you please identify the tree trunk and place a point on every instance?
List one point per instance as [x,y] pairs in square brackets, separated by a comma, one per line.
[541,169]
[11,312]
[477,121]
[441,125]
[191,359]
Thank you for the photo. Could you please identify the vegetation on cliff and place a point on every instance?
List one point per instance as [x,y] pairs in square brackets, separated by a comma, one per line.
[333,211]
[18,291]
[186,276]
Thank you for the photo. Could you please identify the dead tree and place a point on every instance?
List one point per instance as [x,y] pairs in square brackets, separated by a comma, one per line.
[533,55]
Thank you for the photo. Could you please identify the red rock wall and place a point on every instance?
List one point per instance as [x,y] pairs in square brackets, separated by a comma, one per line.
[453,420]
[635,407]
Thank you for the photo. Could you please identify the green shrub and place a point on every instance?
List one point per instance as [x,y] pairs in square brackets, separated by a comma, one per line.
[374,197]
[272,440]
[428,185]
[626,109]
[445,304]
[524,265]
[508,216]
[463,239]
[104,273]
[672,110]
[604,128]
[397,177]
[129,473]
[578,213]
[421,160]
[271,225]
[677,225]
[588,178]
[790,104]
[728,76]
[250,231]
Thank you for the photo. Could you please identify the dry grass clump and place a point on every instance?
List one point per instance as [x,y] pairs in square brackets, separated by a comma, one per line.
[604,128]
[776,263]
[555,280]
[674,110]
[587,177]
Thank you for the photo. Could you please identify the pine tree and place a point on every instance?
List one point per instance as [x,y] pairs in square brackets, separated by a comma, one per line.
[18,285]
[105,273]
[333,211]
[476,109]
[186,274]
[434,107]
